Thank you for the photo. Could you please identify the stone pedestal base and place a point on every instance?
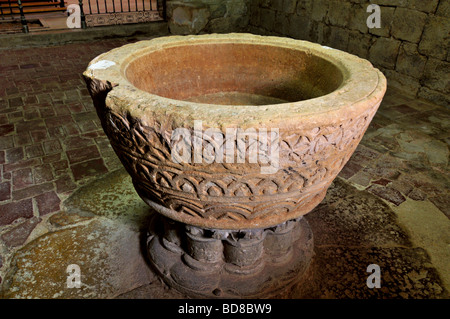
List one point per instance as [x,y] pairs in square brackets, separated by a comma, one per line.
[213,263]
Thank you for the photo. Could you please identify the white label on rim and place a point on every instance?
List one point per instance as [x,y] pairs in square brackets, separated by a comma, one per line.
[103,64]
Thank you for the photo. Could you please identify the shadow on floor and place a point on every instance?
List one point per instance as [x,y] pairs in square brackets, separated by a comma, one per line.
[104,227]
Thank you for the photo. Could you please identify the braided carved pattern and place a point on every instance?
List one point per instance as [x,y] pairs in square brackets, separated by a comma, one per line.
[309,160]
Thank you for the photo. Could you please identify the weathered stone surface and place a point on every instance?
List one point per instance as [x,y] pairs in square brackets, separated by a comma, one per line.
[89,168]
[365,231]
[48,203]
[267,19]
[351,218]
[19,234]
[350,169]
[107,253]
[22,178]
[425,6]
[409,61]
[227,24]
[435,39]
[208,264]
[384,52]
[388,193]
[361,178]
[406,274]
[107,249]
[353,231]
[114,198]
[417,194]
[319,10]
[442,203]
[429,228]
[443,9]
[387,17]
[364,155]
[437,153]
[6,142]
[154,290]
[42,173]
[63,219]
[402,186]
[187,17]
[218,10]
[253,29]
[134,138]
[338,38]
[437,75]
[291,147]
[265,3]
[64,184]
[412,144]
[6,129]
[358,19]
[274,5]
[13,155]
[305,5]
[255,14]
[32,191]
[322,31]
[339,13]
[236,8]
[282,23]
[299,26]
[15,210]
[408,24]
[399,3]
[434,96]
[402,81]
[289,6]
[314,31]
[82,154]
[5,191]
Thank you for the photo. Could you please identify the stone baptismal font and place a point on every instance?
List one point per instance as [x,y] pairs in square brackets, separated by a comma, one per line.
[232,139]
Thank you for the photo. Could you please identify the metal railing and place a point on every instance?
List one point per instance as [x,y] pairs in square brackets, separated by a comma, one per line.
[11,9]
[105,12]
[16,8]
[115,6]
[22,17]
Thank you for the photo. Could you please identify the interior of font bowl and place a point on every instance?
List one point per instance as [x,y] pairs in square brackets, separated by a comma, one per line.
[234,74]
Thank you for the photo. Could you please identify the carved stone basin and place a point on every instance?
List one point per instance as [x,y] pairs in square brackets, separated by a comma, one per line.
[236,136]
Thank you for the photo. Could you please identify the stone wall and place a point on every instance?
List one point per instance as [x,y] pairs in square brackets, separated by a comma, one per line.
[410,48]
[207,16]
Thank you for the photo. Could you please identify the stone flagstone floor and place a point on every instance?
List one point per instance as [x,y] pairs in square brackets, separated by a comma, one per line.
[52,144]
[51,141]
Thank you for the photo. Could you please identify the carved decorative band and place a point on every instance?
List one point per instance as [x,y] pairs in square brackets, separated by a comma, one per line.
[114,18]
[310,160]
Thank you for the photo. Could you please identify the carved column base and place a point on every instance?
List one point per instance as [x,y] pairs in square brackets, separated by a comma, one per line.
[216,263]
